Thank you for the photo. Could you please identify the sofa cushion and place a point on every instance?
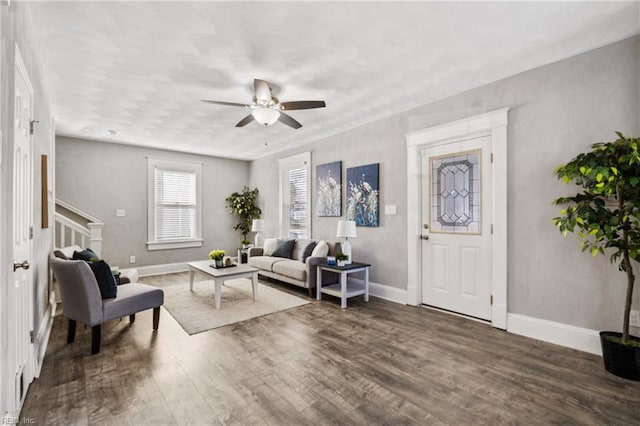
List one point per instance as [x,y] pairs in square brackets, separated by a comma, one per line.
[86,255]
[308,250]
[299,248]
[284,248]
[264,262]
[67,252]
[321,249]
[270,245]
[292,269]
[105,279]
[132,298]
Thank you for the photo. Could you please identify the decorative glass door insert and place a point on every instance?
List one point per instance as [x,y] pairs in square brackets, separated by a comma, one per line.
[455,193]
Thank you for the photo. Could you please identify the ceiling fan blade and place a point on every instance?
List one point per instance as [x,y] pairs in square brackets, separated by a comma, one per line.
[289,120]
[248,119]
[288,106]
[225,103]
[262,91]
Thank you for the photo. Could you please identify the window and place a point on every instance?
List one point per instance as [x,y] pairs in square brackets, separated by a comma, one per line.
[174,211]
[295,200]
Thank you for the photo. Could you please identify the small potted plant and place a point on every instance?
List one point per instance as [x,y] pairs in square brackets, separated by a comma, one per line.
[341,258]
[245,243]
[218,257]
[606,212]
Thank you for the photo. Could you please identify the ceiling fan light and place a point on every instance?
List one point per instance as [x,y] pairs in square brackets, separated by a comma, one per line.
[265,116]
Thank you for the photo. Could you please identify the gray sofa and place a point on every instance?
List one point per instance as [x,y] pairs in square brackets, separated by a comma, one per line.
[291,270]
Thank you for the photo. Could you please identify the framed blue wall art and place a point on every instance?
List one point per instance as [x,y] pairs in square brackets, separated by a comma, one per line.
[329,189]
[363,195]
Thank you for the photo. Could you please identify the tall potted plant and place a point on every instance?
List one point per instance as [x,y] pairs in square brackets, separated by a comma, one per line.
[244,205]
[607,215]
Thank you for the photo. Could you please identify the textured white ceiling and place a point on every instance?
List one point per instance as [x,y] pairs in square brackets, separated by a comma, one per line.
[141,68]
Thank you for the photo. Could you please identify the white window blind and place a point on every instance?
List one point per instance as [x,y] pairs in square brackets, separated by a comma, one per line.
[174,204]
[295,202]
[298,199]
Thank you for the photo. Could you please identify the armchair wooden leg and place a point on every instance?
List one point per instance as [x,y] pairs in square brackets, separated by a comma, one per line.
[95,339]
[156,317]
[71,331]
[132,318]
[310,292]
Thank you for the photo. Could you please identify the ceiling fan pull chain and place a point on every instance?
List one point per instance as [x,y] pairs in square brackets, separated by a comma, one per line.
[265,135]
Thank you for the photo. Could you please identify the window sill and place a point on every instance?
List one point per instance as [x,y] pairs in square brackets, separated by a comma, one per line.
[167,245]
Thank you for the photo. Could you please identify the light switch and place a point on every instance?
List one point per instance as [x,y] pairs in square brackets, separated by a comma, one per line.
[120,212]
[390,209]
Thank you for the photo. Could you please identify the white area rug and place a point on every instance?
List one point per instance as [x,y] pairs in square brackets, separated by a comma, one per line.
[196,312]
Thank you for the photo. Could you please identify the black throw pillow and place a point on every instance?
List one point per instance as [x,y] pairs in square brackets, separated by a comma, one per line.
[308,250]
[106,281]
[284,248]
[87,255]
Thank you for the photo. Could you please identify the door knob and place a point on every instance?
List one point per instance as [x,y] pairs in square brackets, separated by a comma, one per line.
[23,265]
[424,237]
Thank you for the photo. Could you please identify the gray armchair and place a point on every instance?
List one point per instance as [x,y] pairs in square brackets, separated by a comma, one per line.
[81,300]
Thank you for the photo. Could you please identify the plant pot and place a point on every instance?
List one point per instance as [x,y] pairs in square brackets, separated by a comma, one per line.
[218,263]
[342,262]
[621,360]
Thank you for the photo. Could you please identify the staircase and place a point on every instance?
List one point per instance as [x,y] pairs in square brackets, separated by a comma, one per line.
[75,227]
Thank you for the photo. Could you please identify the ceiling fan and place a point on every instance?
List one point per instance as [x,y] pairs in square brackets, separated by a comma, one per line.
[266,109]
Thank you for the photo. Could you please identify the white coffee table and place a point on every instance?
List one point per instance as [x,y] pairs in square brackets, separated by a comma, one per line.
[222,274]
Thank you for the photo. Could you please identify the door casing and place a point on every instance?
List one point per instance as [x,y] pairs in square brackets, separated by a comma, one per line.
[494,125]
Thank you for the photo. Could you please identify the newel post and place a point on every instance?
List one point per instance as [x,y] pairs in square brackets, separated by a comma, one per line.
[95,238]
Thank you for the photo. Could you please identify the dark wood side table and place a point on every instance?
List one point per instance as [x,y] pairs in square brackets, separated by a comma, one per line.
[343,289]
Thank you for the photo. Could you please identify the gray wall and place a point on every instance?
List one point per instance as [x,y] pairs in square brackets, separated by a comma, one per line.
[556,112]
[14,29]
[99,178]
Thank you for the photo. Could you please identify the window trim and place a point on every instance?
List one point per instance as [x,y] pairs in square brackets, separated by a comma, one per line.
[284,165]
[182,166]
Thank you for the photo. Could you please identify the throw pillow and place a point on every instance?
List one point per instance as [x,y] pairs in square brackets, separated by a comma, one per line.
[269,246]
[308,250]
[87,255]
[321,249]
[105,279]
[284,248]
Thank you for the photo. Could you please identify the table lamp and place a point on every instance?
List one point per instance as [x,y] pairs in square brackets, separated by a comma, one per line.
[257,226]
[346,229]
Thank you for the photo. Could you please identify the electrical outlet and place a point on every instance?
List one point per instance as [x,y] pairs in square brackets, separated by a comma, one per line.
[132,259]
[634,319]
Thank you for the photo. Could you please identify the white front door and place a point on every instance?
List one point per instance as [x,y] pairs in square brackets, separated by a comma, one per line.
[456,227]
[20,305]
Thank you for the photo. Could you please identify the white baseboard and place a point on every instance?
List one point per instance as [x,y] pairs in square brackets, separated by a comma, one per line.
[582,339]
[392,294]
[42,339]
[167,268]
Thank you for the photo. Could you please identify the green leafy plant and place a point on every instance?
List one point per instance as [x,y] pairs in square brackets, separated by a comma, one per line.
[606,212]
[245,242]
[244,205]
[217,254]
[341,257]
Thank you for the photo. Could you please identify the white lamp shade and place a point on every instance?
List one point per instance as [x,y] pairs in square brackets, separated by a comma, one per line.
[257,225]
[265,116]
[347,229]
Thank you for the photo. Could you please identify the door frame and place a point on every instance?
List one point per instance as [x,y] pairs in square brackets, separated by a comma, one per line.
[494,125]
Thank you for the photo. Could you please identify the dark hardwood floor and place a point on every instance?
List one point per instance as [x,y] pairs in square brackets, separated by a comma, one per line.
[373,363]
